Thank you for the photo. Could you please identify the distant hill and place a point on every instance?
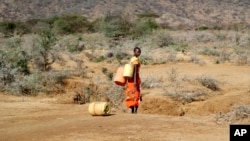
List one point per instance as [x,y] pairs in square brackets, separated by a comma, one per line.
[189,13]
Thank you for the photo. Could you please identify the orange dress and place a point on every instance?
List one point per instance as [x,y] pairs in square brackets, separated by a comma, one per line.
[133,85]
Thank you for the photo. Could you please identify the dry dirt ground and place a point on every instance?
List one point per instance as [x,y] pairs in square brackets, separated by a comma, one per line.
[43,119]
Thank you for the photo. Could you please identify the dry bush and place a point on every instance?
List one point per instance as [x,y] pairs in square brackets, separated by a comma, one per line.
[239,114]
[238,38]
[163,39]
[173,75]
[222,45]
[225,56]
[152,82]
[172,56]
[177,90]
[245,40]
[104,91]
[239,58]
[76,45]
[209,51]
[187,96]
[48,82]
[208,82]
[115,95]
[95,41]
[54,81]
[175,81]
[199,36]
[221,36]
[156,56]
[119,56]
[13,64]
[197,60]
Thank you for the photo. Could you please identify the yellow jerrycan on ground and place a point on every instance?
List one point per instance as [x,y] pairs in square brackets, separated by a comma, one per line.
[99,108]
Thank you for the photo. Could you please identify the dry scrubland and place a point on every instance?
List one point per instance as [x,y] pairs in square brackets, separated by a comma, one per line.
[189,78]
[173,13]
[195,69]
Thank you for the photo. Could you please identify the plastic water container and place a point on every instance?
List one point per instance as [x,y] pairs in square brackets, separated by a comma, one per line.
[119,79]
[99,108]
[128,70]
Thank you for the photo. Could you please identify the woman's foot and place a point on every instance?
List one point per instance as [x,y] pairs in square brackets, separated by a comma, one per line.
[136,107]
[132,109]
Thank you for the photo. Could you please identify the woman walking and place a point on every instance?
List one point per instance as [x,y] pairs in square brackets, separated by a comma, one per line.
[133,95]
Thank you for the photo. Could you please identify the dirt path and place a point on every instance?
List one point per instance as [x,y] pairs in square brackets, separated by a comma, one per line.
[26,120]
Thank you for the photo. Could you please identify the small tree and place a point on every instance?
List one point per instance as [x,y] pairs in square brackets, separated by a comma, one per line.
[42,49]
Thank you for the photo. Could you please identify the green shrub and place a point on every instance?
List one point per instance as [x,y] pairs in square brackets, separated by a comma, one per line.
[107,73]
[113,26]
[30,84]
[47,82]
[13,66]
[15,56]
[202,28]
[145,60]
[148,15]
[210,51]
[143,26]
[68,24]
[104,70]
[99,59]
[179,47]
[11,28]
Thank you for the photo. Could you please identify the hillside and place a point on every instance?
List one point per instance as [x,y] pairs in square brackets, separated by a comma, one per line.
[188,13]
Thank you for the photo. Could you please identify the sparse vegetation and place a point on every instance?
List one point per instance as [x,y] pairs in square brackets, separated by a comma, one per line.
[195,62]
[152,82]
[209,82]
[121,26]
[69,24]
[239,114]
[29,70]
[107,73]
[11,28]
[188,97]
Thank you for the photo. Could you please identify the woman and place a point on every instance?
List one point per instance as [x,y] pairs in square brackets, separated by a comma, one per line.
[133,95]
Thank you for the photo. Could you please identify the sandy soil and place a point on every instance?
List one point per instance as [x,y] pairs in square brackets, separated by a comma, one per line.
[29,119]
[43,119]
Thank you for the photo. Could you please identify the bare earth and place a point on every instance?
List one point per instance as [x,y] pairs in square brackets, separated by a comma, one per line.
[54,122]
[43,119]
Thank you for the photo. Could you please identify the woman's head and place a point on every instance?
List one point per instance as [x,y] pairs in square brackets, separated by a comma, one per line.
[137,51]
